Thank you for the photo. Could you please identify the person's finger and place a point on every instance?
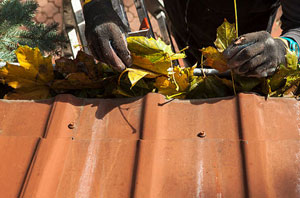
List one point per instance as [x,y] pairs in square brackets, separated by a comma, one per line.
[251,64]
[251,38]
[234,49]
[263,70]
[109,55]
[243,42]
[245,55]
[94,47]
[119,45]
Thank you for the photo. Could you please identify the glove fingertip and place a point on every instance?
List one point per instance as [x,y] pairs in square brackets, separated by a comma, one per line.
[128,61]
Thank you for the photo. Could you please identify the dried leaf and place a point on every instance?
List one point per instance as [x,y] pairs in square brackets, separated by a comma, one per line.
[65,66]
[279,78]
[83,63]
[291,83]
[29,93]
[215,59]
[135,75]
[87,64]
[175,85]
[121,92]
[76,81]
[33,76]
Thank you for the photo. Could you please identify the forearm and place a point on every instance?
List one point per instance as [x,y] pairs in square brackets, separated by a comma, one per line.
[291,20]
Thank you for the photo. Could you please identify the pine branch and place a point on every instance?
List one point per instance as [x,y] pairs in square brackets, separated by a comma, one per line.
[15,12]
[17,27]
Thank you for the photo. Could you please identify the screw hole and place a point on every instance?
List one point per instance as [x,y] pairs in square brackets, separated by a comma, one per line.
[201,134]
[71,126]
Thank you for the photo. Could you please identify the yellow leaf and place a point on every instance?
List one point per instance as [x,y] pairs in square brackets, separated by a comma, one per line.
[150,54]
[33,60]
[135,75]
[18,77]
[225,35]
[215,59]
[176,84]
[28,74]
[181,78]
[159,66]
[291,59]
[165,85]
[34,74]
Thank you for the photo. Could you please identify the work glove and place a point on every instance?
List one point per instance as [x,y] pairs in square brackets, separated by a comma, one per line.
[105,34]
[256,54]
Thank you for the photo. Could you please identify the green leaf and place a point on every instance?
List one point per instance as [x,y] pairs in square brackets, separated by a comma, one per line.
[145,46]
[150,54]
[291,60]
[225,35]
[208,87]
[279,78]
[246,83]
[291,83]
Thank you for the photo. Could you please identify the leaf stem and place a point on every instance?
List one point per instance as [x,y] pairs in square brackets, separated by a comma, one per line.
[236,20]
[173,74]
[233,83]
[204,75]
[174,95]
[237,35]
[187,47]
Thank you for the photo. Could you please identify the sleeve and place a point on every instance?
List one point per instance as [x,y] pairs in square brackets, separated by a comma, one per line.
[291,19]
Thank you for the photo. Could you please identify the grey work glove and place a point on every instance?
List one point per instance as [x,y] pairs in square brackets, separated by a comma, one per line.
[105,34]
[256,54]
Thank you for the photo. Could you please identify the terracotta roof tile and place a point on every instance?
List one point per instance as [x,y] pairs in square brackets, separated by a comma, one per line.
[150,147]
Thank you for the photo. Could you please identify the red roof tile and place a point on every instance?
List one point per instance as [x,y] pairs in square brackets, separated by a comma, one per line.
[150,147]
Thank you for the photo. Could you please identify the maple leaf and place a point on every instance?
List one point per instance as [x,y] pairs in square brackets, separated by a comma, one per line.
[176,84]
[291,60]
[135,75]
[81,73]
[283,80]
[215,59]
[150,54]
[226,34]
[82,63]
[208,87]
[32,78]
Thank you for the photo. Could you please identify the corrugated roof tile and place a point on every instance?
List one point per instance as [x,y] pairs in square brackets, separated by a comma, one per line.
[150,147]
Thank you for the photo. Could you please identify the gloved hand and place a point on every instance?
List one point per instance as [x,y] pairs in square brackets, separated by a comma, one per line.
[256,54]
[105,34]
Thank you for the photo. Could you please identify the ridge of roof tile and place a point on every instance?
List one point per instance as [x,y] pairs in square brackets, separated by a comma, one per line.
[150,147]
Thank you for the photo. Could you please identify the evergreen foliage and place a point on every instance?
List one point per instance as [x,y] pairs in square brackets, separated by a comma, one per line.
[18,28]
